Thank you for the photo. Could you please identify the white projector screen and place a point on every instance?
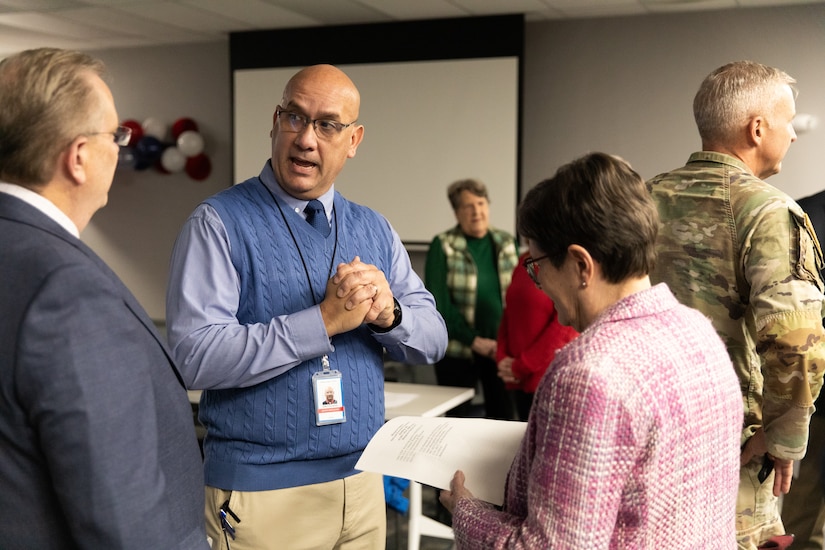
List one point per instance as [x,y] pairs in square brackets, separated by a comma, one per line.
[440,101]
[427,124]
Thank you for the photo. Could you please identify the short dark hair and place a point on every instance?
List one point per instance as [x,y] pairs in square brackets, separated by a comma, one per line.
[600,203]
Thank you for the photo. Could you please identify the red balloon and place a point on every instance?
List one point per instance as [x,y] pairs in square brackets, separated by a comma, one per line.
[181,125]
[198,167]
[137,131]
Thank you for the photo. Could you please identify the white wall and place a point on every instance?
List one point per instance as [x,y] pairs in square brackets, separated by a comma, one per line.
[626,85]
[621,85]
[440,133]
[135,232]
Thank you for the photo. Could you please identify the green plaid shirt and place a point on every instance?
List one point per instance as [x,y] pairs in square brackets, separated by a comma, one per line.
[457,288]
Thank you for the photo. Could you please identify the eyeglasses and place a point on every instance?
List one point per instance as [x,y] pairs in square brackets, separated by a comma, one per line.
[533,268]
[122,135]
[324,128]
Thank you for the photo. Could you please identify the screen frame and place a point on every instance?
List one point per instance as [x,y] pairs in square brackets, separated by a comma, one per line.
[424,40]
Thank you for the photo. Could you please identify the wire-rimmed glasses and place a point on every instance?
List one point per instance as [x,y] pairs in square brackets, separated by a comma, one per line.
[122,135]
[532,268]
[296,122]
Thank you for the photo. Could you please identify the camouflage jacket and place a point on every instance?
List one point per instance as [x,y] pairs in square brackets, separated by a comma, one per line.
[745,254]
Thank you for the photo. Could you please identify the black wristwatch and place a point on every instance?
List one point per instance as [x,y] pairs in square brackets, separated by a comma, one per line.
[396,320]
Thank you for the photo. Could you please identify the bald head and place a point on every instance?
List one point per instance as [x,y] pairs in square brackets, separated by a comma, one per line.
[326,81]
[306,161]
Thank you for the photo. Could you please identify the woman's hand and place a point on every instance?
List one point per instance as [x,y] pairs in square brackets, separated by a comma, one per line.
[485,347]
[457,492]
[505,371]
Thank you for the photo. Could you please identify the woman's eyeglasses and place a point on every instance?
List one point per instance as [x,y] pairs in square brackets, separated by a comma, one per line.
[532,267]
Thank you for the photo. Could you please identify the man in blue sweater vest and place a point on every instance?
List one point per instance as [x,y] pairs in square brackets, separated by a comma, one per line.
[265,311]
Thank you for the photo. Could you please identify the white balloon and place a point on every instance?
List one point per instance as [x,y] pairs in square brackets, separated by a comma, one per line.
[190,143]
[172,160]
[155,128]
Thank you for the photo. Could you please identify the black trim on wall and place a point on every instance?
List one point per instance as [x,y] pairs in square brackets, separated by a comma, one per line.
[456,38]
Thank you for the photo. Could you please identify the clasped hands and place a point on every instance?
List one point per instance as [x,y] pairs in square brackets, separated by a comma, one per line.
[358,293]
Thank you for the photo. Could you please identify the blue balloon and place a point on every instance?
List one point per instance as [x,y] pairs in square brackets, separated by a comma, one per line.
[147,152]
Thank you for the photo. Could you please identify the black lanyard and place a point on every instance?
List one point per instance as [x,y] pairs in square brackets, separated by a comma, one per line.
[297,246]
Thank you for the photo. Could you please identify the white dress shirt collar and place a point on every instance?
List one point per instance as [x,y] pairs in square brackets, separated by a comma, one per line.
[41,203]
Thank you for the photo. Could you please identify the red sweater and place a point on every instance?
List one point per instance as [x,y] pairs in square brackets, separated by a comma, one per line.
[529,332]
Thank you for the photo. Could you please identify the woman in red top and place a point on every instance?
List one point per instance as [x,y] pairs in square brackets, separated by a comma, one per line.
[528,337]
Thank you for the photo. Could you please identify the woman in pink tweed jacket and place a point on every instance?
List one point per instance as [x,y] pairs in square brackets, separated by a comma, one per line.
[633,440]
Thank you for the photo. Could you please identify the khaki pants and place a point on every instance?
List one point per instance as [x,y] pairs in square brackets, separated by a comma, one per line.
[757,512]
[346,514]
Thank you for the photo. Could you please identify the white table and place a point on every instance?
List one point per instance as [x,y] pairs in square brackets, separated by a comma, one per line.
[403,399]
[428,400]
[422,400]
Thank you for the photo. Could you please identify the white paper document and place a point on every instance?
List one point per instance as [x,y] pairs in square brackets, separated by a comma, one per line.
[430,450]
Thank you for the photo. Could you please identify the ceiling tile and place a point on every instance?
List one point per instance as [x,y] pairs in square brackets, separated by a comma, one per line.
[36,5]
[581,12]
[46,23]
[334,12]
[670,6]
[481,7]
[566,5]
[130,27]
[182,16]
[260,14]
[403,10]
[98,24]
[762,3]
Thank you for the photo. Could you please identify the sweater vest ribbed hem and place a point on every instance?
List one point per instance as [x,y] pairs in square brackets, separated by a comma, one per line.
[268,477]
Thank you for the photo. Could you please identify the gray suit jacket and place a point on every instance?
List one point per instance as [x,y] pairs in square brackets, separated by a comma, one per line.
[97,440]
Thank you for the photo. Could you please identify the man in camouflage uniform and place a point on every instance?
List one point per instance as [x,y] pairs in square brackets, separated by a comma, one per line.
[744,253]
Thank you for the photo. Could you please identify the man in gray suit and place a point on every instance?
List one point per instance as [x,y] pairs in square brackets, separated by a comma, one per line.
[97,442]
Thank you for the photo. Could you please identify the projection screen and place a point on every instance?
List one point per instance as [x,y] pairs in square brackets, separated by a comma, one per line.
[431,115]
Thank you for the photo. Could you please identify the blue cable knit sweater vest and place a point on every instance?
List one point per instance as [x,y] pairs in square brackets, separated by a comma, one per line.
[264,437]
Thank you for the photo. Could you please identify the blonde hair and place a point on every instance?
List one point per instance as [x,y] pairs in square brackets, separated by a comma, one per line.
[45,102]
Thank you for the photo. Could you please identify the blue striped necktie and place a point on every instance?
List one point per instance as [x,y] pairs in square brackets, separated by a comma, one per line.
[317,217]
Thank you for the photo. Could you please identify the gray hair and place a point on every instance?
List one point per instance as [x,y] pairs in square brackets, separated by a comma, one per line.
[472,185]
[732,94]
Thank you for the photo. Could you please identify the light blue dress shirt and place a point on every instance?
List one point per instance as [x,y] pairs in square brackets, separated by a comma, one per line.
[214,351]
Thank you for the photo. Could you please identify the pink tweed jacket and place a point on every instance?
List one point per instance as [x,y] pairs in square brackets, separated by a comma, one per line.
[632,442]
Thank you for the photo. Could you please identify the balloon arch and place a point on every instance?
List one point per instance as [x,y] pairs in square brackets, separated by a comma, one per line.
[149,147]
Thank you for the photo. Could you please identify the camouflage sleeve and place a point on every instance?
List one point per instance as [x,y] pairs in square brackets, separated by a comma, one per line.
[782,265]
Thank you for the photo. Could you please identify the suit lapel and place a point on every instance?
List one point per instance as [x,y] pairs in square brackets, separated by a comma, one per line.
[19,211]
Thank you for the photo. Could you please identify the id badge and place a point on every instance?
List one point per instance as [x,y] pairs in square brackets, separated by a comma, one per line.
[329,396]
